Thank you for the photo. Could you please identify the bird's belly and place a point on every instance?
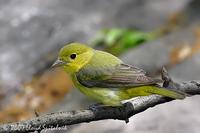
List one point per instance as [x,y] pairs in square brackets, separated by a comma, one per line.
[112,97]
[102,95]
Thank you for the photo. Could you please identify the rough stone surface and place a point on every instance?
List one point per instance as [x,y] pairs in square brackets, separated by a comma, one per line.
[31,30]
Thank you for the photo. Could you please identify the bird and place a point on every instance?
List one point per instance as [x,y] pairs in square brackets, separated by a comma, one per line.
[105,78]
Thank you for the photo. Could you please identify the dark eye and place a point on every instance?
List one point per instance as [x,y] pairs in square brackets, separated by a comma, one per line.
[73,56]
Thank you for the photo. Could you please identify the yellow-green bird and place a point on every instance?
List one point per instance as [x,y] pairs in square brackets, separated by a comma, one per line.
[105,78]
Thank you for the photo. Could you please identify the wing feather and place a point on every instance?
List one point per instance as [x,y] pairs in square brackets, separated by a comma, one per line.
[118,76]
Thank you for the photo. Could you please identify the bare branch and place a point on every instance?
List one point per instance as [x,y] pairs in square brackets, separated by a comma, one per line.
[138,105]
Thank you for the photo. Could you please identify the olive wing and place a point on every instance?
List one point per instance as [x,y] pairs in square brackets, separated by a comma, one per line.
[118,76]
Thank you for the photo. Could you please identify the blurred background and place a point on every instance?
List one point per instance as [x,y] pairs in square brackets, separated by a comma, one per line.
[147,33]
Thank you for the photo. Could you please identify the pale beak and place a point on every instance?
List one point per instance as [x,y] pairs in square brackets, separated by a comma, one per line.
[58,63]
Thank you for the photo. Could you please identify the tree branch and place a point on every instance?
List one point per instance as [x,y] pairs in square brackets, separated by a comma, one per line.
[129,109]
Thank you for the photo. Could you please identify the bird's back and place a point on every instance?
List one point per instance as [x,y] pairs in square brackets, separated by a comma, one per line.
[102,59]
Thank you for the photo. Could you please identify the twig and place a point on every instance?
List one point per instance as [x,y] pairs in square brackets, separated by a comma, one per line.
[138,105]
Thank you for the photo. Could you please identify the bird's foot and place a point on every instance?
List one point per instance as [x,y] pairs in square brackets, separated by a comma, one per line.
[127,108]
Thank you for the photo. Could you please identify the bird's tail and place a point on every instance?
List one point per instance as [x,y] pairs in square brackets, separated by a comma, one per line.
[149,90]
[167,93]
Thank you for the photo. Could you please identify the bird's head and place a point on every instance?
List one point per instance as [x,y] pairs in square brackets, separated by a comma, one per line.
[73,57]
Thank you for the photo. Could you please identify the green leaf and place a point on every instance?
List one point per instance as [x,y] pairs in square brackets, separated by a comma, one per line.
[117,41]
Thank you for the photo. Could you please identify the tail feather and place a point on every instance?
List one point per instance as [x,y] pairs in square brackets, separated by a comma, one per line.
[165,92]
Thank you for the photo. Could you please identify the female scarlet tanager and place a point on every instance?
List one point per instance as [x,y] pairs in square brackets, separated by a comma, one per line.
[105,78]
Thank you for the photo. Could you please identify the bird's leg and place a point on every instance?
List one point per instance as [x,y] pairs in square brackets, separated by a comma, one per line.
[96,106]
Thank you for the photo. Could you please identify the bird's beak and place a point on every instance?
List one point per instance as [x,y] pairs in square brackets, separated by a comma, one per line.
[58,63]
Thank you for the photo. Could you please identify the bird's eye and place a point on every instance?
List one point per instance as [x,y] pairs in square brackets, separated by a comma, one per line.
[73,56]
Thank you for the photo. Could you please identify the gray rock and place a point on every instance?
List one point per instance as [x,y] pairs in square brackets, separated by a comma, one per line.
[152,56]
[32,30]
